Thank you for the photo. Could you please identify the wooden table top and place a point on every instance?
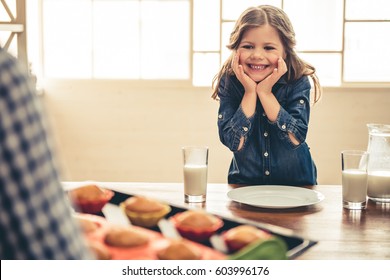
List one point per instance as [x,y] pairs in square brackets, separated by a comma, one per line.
[341,234]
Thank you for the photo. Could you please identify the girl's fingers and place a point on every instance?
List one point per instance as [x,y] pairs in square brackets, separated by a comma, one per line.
[267,84]
[280,70]
[240,70]
[237,67]
[282,65]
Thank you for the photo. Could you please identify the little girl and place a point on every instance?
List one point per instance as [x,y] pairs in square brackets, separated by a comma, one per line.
[264,94]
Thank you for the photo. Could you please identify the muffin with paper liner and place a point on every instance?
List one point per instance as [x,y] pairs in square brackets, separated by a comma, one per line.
[143,211]
[125,236]
[179,250]
[90,198]
[87,225]
[99,250]
[196,225]
[238,237]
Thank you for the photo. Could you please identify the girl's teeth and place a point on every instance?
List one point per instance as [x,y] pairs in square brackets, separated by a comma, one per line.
[258,67]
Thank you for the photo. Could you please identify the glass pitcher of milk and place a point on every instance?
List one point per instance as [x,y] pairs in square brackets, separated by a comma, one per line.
[378,188]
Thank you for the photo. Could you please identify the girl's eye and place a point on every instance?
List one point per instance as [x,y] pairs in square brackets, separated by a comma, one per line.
[247,47]
[269,48]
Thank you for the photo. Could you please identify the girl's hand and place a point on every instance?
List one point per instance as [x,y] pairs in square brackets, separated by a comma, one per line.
[265,86]
[245,80]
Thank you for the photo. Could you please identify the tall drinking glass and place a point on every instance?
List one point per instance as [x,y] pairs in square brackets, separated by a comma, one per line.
[195,173]
[354,179]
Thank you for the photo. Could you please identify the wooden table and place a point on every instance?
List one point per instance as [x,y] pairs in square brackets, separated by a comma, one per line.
[341,233]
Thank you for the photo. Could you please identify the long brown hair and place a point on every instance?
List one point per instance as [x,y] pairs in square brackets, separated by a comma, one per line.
[278,19]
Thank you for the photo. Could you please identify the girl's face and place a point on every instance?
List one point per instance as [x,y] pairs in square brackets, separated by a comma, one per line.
[259,51]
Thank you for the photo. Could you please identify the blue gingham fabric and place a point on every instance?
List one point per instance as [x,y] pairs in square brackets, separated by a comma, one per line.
[35,216]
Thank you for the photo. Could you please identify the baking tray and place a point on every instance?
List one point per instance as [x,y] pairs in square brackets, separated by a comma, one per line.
[296,245]
[148,251]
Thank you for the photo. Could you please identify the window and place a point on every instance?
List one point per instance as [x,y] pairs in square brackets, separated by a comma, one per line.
[184,40]
[12,28]
[319,36]
[367,33]
[116,39]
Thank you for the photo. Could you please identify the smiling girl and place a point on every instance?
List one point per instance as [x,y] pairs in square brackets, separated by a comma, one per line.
[264,94]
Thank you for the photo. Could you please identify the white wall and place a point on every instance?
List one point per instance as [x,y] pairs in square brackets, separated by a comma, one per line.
[113,131]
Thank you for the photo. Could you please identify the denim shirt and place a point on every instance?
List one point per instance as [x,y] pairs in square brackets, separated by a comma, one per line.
[268,156]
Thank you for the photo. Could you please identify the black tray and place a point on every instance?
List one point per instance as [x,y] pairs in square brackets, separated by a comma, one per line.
[296,245]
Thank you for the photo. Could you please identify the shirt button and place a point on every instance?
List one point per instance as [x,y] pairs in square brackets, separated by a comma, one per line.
[245,128]
[266,154]
[263,114]
[266,172]
[301,101]
[220,116]
[265,134]
[284,127]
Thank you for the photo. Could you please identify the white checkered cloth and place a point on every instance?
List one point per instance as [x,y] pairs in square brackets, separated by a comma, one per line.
[35,216]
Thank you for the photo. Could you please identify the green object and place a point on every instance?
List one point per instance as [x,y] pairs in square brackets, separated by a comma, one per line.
[271,249]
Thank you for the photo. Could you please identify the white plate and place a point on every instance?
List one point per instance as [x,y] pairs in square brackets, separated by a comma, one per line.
[270,196]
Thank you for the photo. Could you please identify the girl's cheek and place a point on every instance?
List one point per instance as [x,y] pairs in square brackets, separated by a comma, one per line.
[241,57]
[274,59]
[244,54]
[240,60]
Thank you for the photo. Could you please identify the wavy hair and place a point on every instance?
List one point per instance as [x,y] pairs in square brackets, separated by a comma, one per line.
[258,16]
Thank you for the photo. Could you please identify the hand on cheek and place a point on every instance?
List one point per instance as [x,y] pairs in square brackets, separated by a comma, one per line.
[267,84]
[244,79]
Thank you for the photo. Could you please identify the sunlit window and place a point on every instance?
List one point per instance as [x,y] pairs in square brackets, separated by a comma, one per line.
[116,39]
[185,40]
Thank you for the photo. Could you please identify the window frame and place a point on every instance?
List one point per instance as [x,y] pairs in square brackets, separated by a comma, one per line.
[188,83]
[17,28]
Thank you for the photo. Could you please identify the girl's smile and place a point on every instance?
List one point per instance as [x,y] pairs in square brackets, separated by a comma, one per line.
[259,51]
[257,67]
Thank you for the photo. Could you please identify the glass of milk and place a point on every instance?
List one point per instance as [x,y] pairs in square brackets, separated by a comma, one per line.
[195,173]
[354,179]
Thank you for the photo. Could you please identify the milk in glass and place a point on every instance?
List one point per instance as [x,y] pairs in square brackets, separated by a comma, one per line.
[354,185]
[195,179]
[195,173]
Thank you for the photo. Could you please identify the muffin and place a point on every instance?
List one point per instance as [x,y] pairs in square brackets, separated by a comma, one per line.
[196,225]
[99,250]
[241,236]
[86,225]
[90,198]
[125,236]
[179,250]
[145,212]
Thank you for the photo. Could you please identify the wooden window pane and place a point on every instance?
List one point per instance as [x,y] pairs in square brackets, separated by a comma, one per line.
[328,67]
[67,39]
[367,9]
[206,66]
[116,39]
[367,56]
[206,25]
[314,27]
[165,49]
[4,17]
